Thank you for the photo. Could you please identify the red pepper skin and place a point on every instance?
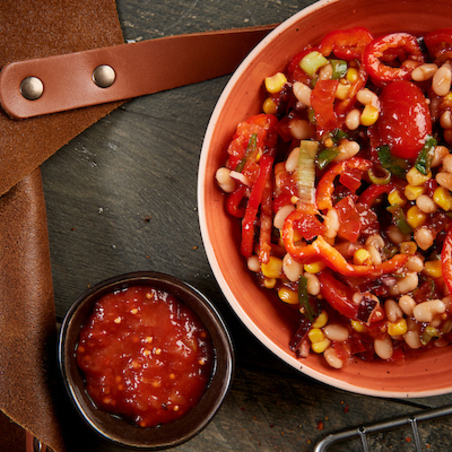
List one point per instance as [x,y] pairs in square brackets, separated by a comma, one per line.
[346,44]
[374,54]
[439,44]
[322,101]
[325,187]
[370,195]
[405,119]
[446,260]
[233,202]
[266,164]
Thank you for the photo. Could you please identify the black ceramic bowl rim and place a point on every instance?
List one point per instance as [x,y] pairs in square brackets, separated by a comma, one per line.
[116,429]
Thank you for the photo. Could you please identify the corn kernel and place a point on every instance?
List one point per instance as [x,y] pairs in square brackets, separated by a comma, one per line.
[352,74]
[316,335]
[288,296]
[320,347]
[321,320]
[342,91]
[412,192]
[269,106]
[395,198]
[358,326]
[415,217]
[269,283]
[314,267]
[448,97]
[397,329]
[362,257]
[408,247]
[273,268]
[443,198]
[275,83]
[433,269]
[415,177]
[369,115]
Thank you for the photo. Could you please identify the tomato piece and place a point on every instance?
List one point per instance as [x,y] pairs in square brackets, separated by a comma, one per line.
[322,101]
[349,219]
[446,260]
[346,44]
[405,120]
[257,132]
[439,44]
[386,47]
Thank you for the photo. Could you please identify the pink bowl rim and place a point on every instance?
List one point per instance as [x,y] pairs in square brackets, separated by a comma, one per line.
[285,356]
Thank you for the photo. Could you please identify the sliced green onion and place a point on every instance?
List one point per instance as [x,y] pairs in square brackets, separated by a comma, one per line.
[394,165]
[339,69]
[399,219]
[312,62]
[337,135]
[303,298]
[425,157]
[379,180]
[326,157]
[306,171]
[249,151]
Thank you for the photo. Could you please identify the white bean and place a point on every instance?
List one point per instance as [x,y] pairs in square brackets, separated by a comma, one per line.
[374,254]
[331,223]
[412,339]
[447,162]
[445,120]
[424,72]
[375,240]
[442,80]
[224,180]
[424,312]
[301,129]
[445,180]
[405,284]
[414,264]
[253,264]
[332,359]
[281,215]
[395,235]
[336,332]
[383,347]
[367,97]
[392,310]
[303,93]
[438,155]
[292,269]
[347,149]
[426,204]
[292,160]
[424,238]
[406,304]
[352,120]
[313,284]
[326,72]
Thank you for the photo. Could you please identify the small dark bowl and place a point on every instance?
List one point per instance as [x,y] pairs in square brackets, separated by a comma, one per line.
[116,429]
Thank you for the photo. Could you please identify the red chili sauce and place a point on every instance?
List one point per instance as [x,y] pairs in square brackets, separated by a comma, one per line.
[145,356]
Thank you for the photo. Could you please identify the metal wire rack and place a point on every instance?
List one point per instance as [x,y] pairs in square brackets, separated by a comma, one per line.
[363,431]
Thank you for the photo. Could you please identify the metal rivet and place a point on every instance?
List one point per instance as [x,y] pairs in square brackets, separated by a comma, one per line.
[31,88]
[104,76]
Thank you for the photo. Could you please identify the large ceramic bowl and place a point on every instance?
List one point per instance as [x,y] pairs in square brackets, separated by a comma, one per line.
[426,374]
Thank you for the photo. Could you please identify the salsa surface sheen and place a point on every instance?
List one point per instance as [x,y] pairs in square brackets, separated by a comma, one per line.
[145,356]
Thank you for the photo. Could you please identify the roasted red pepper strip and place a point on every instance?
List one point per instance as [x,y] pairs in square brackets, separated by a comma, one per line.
[322,101]
[234,200]
[319,249]
[340,297]
[346,44]
[266,164]
[325,187]
[382,74]
[370,195]
[266,223]
[439,44]
[446,260]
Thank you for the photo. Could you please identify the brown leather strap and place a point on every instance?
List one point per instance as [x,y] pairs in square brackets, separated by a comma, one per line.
[27,315]
[139,68]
